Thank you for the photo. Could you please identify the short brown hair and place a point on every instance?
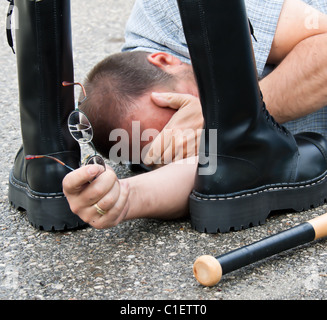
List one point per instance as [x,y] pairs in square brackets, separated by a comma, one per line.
[111,88]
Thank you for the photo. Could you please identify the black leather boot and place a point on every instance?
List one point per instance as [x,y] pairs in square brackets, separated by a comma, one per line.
[44,61]
[251,165]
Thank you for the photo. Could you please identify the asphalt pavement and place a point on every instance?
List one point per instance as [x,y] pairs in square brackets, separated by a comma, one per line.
[141,259]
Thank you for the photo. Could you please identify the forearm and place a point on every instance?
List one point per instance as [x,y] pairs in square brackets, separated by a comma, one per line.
[297,87]
[162,193]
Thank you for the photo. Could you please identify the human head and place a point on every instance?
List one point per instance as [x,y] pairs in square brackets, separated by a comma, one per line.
[118,92]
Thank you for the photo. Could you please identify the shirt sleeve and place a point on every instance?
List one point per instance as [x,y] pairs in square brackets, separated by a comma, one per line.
[264,16]
[155,25]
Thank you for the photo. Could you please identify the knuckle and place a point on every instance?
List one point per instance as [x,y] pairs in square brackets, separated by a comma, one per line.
[111,174]
[100,224]
[66,184]
[96,193]
[88,220]
[75,207]
[97,225]
[109,201]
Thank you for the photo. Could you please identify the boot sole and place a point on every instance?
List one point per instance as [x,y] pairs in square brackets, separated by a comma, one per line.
[44,212]
[213,214]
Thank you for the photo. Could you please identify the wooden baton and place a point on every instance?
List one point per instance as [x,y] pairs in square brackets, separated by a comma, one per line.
[208,270]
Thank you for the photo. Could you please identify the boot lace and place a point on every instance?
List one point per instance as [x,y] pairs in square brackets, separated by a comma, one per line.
[8,25]
[272,120]
[251,30]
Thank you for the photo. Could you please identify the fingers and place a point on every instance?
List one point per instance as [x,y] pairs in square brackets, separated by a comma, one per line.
[171,99]
[173,145]
[178,139]
[99,188]
[115,205]
[80,193]
[110,194]
[158,146]
[75,180]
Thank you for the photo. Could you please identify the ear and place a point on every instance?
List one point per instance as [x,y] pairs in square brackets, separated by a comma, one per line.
[163,60]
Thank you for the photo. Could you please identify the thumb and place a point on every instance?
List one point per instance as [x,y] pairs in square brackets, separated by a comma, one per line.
[171,99]
[75,181]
